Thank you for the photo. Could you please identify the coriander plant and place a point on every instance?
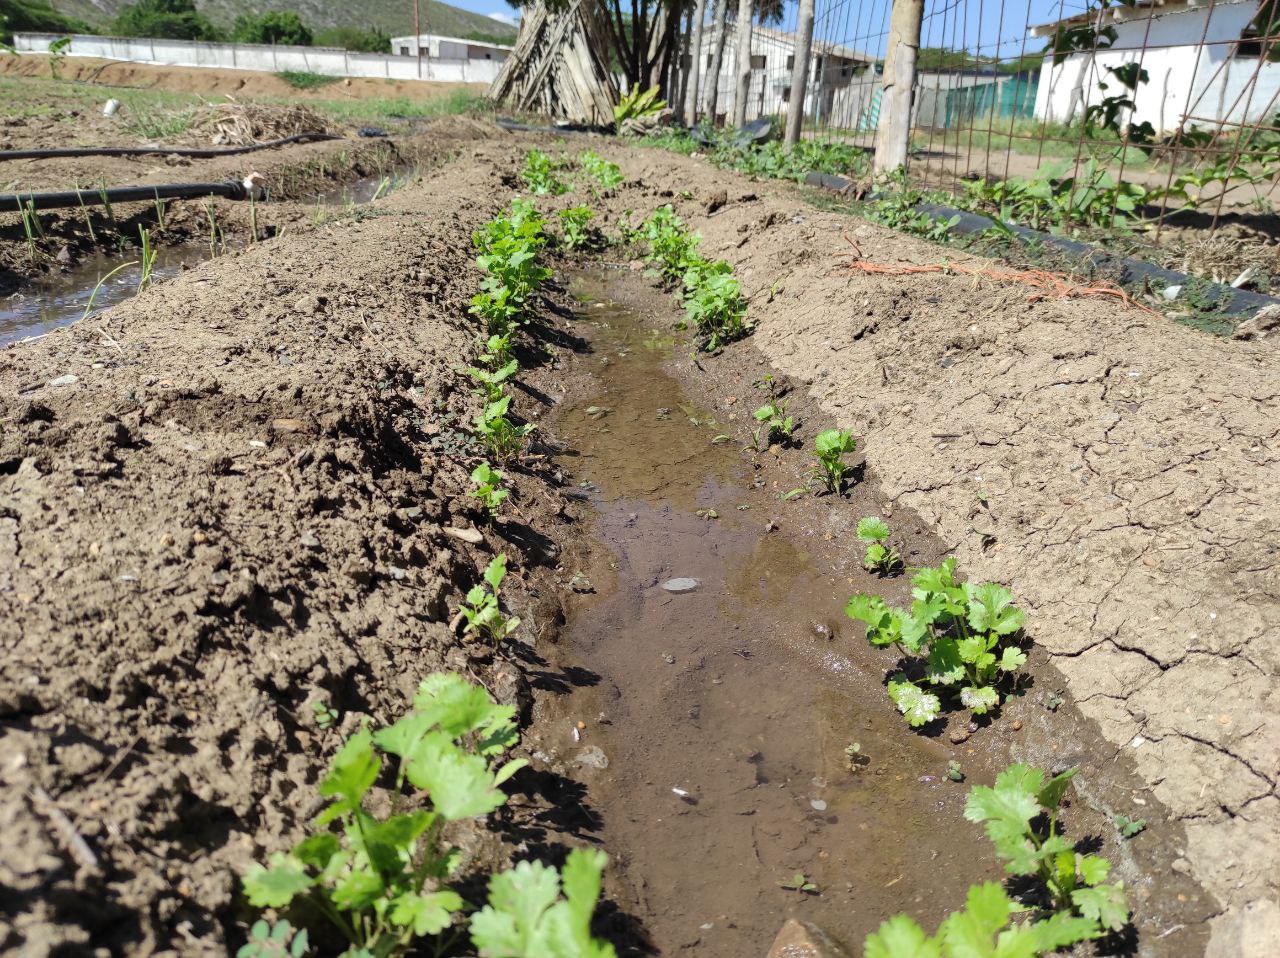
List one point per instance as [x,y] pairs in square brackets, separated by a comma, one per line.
[482,611]
[774,422]
[607,174]
[881,558]
[830,447]
[539,175]
[577,232]
[381,879]
[488,487]
[500,435]
[954,635]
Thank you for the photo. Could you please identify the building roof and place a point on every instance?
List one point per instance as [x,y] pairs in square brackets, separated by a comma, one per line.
[1141,10]
[424,38]
[821,47]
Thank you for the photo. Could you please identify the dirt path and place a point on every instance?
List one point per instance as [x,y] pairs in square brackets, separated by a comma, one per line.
[1120,472]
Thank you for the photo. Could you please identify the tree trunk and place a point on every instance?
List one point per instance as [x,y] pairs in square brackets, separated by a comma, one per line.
[717,58]
[695,64]
[680,103]
[894,132]
[800,72]
[743,65]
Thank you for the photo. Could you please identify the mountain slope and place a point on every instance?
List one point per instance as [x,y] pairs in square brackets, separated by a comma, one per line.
[392,16]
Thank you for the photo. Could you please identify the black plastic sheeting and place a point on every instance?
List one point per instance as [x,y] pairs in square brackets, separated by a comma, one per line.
[1226,299]
[515,127]
[196,153]
[231,189]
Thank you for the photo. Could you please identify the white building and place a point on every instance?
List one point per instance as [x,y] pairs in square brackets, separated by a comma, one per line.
[834,72]
[449,48]
[1202,58]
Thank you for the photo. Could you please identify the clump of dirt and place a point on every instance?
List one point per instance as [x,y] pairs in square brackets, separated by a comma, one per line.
[237,496]
[1119,472]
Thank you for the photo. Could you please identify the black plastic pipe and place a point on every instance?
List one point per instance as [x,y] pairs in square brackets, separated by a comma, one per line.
[195,153]
[1227,299]
[16,202]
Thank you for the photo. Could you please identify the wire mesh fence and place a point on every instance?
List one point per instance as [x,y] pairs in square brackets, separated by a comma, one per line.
[1045,112]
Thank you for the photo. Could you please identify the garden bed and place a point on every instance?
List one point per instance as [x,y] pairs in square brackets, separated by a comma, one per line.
[244,495]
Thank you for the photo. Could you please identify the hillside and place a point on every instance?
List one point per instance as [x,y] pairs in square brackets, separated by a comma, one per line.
[393,16]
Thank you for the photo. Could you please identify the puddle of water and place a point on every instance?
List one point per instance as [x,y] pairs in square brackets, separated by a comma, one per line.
[725,713]
[60,299]
[366,189]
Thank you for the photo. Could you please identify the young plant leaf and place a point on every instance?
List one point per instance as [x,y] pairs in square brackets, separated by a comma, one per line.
[919,707]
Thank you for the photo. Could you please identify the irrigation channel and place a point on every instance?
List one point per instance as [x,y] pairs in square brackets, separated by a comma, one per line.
[103,280]
[716,718]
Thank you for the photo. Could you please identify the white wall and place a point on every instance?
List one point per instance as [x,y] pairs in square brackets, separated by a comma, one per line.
[1185,77]
[270,59]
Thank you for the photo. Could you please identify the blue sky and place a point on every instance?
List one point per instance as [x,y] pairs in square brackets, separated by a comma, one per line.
[995,25]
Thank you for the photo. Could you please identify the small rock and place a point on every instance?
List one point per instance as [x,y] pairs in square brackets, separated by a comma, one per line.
[960,735]
[804,939]
[679,586]
[288,425]
[466,535]
[592,757]
[817,804]
[716,200]
[1017,725]
[309,540]
[70,379]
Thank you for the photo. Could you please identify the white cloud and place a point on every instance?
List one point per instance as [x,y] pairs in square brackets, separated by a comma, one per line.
[505,18]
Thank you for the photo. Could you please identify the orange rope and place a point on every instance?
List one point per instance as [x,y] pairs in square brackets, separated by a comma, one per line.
[1046,285]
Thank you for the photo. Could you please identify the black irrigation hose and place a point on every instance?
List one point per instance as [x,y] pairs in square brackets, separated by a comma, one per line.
[203,154]
[17,202]
[1227,299]
[507,123]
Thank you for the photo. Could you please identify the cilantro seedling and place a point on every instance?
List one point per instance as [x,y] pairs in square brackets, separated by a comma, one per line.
[774,422]
[798,882]
[488,487]
[577,232]
[830,446]
[533,912]
[962,635]
[493,383]
[325,716]
[880,558]
[1020,814]
[273,941]
[954,771]
[607,174]
[482,611]
[382,878]
[539,175]
[1128,827]
[500,436]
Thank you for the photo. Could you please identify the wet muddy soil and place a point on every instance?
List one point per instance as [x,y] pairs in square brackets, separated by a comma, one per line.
[711,724]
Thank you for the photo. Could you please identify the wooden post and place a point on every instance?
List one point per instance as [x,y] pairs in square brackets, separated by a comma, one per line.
[799,72]
[721,27]
[695,63]
[744,63]
[894,131]
[417,37]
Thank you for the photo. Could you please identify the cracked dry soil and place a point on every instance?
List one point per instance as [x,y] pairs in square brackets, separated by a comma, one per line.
[244,503]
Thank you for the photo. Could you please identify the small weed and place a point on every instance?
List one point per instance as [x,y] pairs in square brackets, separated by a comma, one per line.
[798,882]
[302,80]
[608,175]
[158,124]
[325,715]
[148,257]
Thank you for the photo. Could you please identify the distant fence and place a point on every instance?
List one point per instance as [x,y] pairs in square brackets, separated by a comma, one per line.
[271,59]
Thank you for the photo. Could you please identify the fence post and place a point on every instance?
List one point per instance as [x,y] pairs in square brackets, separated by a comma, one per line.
[744,63]
[800,72]
[894,130]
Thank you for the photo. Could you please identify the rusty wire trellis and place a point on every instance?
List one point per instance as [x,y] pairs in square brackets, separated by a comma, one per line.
[989,105]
